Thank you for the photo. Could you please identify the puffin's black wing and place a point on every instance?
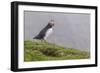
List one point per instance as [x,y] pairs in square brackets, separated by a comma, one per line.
[41,35]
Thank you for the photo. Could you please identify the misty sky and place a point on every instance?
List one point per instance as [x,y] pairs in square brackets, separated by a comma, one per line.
[71,29]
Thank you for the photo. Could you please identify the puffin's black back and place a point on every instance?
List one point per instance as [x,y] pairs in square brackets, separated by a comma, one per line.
[42,33]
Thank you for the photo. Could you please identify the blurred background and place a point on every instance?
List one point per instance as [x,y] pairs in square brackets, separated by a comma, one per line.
[71,30]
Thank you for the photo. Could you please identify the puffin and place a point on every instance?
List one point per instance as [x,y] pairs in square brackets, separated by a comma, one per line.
[46,31]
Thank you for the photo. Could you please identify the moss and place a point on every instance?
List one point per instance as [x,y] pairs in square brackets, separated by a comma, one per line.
[40,50]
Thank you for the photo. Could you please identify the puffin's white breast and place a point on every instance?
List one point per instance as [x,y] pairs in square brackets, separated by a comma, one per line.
[49,31]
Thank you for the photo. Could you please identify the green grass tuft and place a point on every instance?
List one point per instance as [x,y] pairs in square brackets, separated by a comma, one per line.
[39,50]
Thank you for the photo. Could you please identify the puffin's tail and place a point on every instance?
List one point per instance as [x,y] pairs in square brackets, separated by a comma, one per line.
[36,37]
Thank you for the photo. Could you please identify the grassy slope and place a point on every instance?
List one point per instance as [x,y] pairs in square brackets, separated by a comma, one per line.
[42,51]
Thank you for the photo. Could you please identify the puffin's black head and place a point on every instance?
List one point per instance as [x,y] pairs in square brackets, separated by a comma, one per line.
[51,23]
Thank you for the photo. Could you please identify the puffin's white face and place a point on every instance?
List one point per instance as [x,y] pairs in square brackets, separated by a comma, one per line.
[51,23]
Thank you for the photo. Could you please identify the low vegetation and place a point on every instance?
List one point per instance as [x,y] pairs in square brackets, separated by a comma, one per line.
[39,50]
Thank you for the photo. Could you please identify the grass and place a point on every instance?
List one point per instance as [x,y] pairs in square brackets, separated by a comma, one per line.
[37,50]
